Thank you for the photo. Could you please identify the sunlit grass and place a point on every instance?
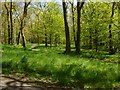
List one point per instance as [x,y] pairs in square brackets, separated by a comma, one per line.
[69,70]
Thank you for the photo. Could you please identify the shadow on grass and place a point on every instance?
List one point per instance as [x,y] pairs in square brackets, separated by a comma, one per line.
[67,75]
[92,55]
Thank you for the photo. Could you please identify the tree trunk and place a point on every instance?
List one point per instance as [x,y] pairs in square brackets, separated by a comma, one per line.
[50,39]
[23,39]
[21,32]
[72,7]
[67,35]
[9,40]
[56,39]
[5,38]
[22,24]
[15,32]
[110,31]
[46,44]
[1,28]
[79,7]
[11,23]
[118,4]
[78,28]
[18,39]
[90,39]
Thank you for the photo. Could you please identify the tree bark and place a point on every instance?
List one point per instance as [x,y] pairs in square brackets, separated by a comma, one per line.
[110,31]
[67,35]
[22,25]
[50,39]
[46,44]
[5,38]
[118,5]
[79,7]
[18,39]
[23,39]
[14,32]
[11,22]
[90,39]
[9,40]
[73,20]
[1,28]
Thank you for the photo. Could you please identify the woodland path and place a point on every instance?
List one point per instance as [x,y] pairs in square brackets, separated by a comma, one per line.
[11,83]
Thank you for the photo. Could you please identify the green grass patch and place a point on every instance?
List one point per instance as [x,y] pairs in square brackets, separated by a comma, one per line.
[67,70]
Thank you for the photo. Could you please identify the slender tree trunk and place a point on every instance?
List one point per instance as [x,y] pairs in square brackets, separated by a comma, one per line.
[90,39]
[78,28]
[50,39]
[9,40]
[5,36]
[4,31]
[15,33]
[46,44]
[1,30]
[22,25]
[23,38]
[18,38]
[21,32]
[9,34]
[67,35]
[110,31]
[79,7]
[56,38]
[118,4]
[72,7]
[11,22]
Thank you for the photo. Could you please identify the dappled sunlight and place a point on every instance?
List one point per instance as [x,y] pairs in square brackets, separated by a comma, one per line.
[65,45]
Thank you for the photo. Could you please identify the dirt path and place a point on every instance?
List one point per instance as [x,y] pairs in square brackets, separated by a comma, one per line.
[34,47]
[10,83]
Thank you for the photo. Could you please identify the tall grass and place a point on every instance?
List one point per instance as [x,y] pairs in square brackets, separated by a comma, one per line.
[67,70]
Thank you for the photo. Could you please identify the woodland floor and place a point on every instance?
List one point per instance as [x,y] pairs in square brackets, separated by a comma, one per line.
[39,68]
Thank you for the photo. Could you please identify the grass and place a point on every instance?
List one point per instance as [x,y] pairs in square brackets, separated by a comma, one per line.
[66,70]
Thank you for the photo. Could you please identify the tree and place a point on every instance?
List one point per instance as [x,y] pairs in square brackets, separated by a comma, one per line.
[0,26]
[66,28]
[8,23]
[22,24]
[73,22]
[47,23]
[111,51]
[11,23]
[79,7]
[87,26]
[118,5]
[4,23]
